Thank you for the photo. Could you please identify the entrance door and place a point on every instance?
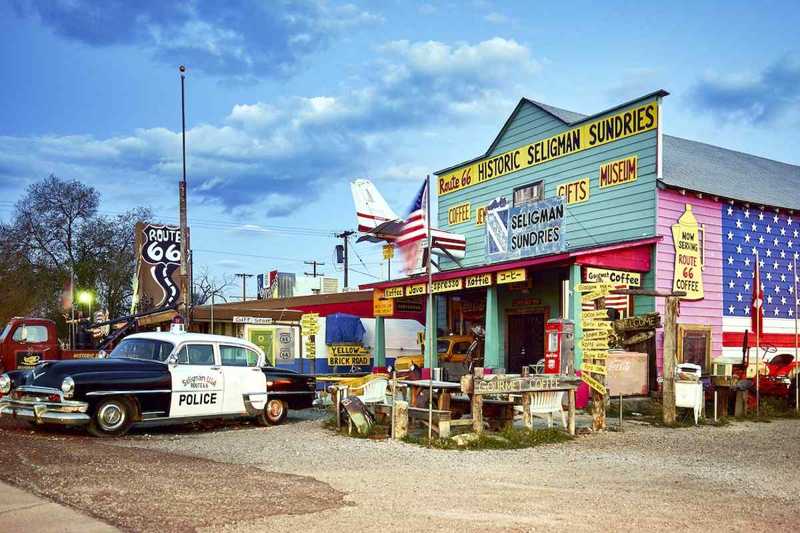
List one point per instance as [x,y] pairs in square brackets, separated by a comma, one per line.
[525,341]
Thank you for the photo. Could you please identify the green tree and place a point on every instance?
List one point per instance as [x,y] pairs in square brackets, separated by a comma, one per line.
[56,231]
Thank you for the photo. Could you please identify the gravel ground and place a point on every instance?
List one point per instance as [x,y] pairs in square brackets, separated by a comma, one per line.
[736,477]
[152,490]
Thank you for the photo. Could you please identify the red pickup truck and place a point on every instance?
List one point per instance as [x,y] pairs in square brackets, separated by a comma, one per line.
[25,342]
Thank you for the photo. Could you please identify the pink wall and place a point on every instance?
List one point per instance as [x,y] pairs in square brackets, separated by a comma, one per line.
[708,311]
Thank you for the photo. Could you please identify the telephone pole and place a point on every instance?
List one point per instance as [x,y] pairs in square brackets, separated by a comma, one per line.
[186,291]
[345,235]
[314,264]
[244,283]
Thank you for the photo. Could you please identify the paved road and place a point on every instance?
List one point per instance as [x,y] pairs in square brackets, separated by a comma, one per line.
[23,511]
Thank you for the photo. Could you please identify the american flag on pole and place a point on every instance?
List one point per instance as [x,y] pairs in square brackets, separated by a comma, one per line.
[757,310]
[415,230]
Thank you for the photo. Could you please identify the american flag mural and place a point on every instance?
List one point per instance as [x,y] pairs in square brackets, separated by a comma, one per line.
[771,237]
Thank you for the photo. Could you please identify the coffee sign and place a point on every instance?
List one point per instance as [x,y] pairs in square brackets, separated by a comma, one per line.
[688,275]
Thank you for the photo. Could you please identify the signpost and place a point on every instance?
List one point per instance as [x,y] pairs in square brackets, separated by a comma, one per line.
[596,328]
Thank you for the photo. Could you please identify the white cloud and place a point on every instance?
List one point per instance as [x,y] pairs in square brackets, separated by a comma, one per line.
[281,154]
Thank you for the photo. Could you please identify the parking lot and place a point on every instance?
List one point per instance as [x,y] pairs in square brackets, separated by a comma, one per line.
[299,476]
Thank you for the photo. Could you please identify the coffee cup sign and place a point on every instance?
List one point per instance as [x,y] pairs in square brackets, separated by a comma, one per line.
[687,239]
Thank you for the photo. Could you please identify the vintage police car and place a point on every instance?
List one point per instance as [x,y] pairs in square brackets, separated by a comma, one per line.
[156,377]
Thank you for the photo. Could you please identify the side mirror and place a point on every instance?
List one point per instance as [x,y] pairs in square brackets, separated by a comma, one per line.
[172,360]
[23,337]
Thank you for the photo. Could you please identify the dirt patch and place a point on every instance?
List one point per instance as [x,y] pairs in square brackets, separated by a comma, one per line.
[151,490]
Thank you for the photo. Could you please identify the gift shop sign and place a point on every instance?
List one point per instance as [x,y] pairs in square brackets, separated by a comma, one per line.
[686,237]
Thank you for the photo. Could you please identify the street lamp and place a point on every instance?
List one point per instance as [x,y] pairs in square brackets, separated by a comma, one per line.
[86,297]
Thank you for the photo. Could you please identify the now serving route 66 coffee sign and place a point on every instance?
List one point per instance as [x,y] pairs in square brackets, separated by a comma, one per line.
[158,266]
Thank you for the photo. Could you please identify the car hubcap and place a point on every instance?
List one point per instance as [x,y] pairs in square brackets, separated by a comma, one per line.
[111,417]
[275,409]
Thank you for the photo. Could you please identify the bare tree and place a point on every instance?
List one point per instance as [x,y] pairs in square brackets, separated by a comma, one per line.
[206,286]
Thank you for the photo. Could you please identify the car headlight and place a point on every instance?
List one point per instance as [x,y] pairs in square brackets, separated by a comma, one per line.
[5,384]
[68,387]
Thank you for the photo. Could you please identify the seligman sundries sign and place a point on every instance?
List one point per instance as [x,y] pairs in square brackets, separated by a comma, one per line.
[530,230]
[589,135]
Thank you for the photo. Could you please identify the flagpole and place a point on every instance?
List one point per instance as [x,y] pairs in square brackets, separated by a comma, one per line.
[432,341]
[759,322]
[796,343]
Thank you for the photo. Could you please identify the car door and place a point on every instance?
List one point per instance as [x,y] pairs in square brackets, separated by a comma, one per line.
[243,378]
[197,382]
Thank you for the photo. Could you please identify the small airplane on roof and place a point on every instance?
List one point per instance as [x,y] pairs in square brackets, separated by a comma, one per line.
[377,222]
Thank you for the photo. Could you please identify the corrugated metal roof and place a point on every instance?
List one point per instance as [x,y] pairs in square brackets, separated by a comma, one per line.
[722,172]
[563,115]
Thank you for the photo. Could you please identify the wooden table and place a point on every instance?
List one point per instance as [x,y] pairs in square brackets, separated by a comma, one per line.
[445,388]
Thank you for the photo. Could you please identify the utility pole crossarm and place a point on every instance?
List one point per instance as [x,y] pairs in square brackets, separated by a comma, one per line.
[244,277]
[314,264]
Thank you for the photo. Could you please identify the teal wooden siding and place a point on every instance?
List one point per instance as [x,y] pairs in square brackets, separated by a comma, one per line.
[647,304]
[616,214]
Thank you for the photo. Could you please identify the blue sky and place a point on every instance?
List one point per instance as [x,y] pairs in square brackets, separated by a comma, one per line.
[289,101]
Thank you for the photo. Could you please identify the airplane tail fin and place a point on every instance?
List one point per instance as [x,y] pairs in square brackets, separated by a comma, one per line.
[371,208]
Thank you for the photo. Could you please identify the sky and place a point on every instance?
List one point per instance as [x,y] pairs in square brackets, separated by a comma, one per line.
[287,102]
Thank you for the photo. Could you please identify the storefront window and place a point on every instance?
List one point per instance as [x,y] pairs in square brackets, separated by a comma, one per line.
[694,345]
[530,193]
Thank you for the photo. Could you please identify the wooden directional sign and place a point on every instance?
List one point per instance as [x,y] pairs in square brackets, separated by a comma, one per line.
[593,383]
[597,324]
[596,335]
[594,295]
[594,344]
[594,369]
[599,314]
[595,354]
[591,287]
[636,338]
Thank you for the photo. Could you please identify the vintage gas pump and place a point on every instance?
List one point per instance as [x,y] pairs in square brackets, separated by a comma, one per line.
[559,355]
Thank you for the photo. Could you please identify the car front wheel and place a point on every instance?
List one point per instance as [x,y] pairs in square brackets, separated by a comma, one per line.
[274,413]
[111,418]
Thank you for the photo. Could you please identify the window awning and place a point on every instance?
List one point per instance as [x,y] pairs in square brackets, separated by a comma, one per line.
[631,255]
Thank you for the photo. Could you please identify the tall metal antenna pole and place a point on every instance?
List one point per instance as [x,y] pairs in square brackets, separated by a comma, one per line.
[184,271]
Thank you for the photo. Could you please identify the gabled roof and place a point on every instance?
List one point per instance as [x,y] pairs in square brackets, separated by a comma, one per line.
[569,118]
[698,166]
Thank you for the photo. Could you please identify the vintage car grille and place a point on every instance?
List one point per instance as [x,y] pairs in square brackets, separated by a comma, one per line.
[36,394]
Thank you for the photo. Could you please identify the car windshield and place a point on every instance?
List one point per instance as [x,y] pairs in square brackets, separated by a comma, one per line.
[5,332]
[147,349]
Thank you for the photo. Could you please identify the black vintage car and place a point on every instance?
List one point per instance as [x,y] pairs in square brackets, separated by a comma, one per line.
[155,378]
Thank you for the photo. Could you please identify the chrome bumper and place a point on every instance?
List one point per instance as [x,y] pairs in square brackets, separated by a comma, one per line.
[65,412]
